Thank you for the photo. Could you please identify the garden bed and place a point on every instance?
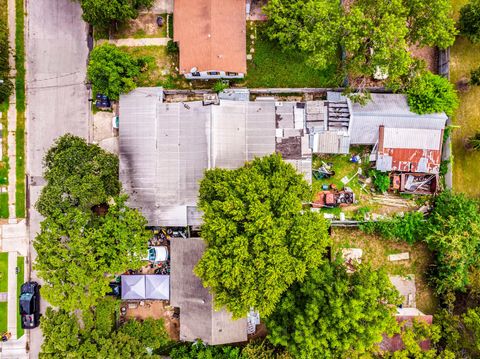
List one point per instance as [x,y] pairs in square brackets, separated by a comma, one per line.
[376,251]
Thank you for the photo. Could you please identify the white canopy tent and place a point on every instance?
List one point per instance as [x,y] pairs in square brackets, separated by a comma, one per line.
[157,287]
[138,287]
[133,287]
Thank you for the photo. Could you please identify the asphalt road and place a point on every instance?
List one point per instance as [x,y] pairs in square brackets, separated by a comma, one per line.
[57,98]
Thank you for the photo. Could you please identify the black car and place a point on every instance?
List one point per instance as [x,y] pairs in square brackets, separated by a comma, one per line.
[30,305]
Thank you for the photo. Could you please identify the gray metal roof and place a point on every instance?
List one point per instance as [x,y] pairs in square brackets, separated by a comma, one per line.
[166,147]
[198,318]
[331,142]
[391,111]
[412,138]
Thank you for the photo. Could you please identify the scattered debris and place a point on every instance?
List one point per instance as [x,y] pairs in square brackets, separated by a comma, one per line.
[352,257]
[399,257]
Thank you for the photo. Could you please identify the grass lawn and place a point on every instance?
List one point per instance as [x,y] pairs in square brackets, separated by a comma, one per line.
[343,167]
[3,316]
[375,252]
[272,67]
[4,272]
[4,212]
[144,26]
[160,71]
[20,106]
[466,169]
[20,278]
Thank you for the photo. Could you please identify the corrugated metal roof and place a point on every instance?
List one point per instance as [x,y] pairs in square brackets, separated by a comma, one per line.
[391,111]
[412,138]
[335,96]
[166,147]
[331,142]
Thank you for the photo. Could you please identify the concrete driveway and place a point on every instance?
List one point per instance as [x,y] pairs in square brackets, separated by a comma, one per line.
[57,97]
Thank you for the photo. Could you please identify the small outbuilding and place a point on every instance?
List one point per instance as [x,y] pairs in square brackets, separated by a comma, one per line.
[198,318]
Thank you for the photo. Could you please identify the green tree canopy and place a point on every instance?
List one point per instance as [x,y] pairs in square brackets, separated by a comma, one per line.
[97,337]
[310,26]
[469,22]
[429,93]
[453,234]
[78,174]
[79,252]
[113,71]
[259,240]
[461,332]
[333,314]
[374,38]
[104,13]
[431,23]
[375,34]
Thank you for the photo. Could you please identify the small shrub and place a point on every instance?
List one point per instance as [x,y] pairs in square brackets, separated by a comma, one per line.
[406,228]
[429,93]
[475,77]
[219,86]
[474,142]
[469,22]
[172,47]
[381,181]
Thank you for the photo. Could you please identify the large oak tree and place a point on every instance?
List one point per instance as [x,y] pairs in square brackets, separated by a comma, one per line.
[78,175]
[334,314]
[259,239]
[78,252]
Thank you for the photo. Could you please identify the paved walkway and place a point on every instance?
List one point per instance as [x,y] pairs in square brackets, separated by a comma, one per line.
[12,294]
[152,41]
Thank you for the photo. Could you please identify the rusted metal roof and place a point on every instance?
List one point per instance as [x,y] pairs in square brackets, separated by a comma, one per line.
[211,35]
[394,154]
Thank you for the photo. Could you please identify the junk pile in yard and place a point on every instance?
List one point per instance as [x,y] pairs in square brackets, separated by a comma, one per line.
[415,183]
[334,198]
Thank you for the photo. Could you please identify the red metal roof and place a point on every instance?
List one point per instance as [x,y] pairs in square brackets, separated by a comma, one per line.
[211,35]
[409,159]
[395,343]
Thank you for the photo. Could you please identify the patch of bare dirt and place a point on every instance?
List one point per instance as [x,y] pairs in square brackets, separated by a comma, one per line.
[156,309]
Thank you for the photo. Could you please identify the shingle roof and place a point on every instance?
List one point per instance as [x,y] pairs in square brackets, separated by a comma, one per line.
[198,319]
[211,35]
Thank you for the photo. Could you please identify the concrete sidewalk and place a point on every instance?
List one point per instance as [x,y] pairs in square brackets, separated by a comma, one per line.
[12,294]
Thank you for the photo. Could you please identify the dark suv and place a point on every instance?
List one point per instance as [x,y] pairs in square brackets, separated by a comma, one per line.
[30,305]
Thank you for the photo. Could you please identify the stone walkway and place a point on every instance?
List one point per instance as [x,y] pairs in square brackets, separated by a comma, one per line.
[152,41]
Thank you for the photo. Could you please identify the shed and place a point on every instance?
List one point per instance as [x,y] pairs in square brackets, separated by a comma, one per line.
[390,111]
[198,318]
[409,150]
